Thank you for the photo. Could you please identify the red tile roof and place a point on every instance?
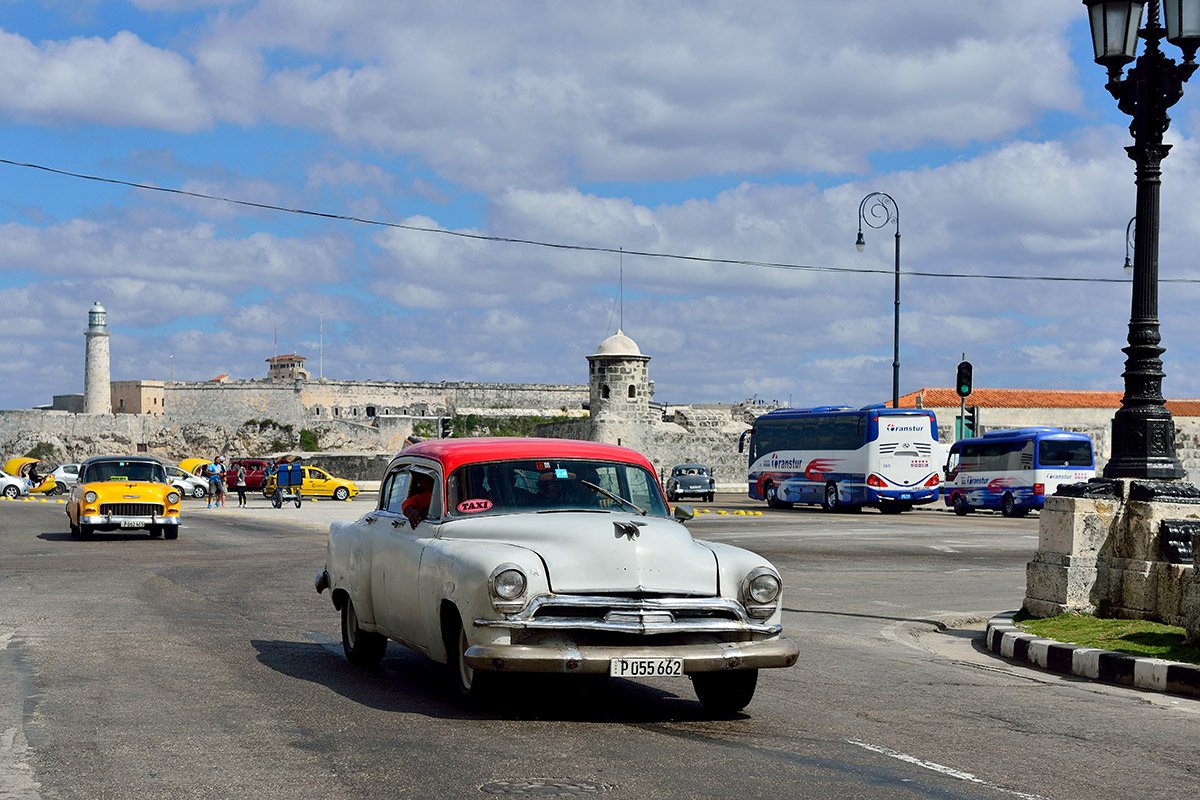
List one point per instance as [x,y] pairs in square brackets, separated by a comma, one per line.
[945,397]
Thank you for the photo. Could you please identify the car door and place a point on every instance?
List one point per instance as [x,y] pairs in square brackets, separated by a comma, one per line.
[397,547]
[317,482]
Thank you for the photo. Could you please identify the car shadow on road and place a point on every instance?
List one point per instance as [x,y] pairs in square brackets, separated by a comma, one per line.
[98,536]
[410,683]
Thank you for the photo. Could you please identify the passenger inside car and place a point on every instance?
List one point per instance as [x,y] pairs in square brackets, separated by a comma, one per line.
[420,494]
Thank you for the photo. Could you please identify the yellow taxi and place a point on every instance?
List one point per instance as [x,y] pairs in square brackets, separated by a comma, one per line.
[123,493]
[317,483]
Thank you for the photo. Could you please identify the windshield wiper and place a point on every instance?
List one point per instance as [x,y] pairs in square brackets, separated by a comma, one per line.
[616,497]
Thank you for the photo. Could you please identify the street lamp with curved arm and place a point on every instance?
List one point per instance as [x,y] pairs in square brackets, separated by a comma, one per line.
[878,209]
[1128,244]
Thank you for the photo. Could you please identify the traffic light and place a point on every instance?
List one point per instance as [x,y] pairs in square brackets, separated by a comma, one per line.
[972,421]
[963,383]
[447,429]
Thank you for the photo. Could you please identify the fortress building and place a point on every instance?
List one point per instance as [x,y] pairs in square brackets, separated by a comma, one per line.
[275,413]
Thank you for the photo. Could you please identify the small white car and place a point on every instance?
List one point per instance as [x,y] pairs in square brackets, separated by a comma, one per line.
[506,555]
[65,476]
[12,486]
[189,485]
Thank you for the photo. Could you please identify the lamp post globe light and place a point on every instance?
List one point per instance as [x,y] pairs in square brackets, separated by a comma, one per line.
[878,209]
[1143,432]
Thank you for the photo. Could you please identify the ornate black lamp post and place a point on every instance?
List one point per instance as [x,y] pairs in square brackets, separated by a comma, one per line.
[883,210]
[1143,432]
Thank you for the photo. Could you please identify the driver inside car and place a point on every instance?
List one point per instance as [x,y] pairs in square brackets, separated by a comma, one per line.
[416,506]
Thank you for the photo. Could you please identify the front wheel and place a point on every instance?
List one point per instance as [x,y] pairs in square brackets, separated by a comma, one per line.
[830,500]
[960,505]
[469,683]
[341,493]
[199,491]
[773,500]
[725,693]
[363,648]
[709,497]
[12,492]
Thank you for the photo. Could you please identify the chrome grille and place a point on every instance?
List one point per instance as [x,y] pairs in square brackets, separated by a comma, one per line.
[131,509]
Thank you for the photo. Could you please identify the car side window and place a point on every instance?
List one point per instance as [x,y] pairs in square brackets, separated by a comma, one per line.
[395,491]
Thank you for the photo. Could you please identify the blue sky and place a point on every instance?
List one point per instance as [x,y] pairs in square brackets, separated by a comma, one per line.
[729,131]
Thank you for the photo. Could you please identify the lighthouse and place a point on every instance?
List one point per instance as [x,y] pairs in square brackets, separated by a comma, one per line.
[97,394]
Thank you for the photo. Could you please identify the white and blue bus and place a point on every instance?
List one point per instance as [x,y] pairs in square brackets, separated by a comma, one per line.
[1014,470]
[844,458]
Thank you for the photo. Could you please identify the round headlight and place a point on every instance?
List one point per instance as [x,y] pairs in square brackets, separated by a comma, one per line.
[90,497]
[173,497]
[764,588]
[509,584]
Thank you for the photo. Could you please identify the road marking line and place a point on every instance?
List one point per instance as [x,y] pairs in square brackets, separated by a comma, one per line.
[941,769]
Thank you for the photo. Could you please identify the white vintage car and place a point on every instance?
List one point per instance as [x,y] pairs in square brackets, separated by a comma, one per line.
[498,555]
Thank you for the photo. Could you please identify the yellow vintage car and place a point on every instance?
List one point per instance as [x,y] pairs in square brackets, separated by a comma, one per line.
[123,493]
[28,468]
[317,483]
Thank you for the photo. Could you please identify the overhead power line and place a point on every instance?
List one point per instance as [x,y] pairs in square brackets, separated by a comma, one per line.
[575,247]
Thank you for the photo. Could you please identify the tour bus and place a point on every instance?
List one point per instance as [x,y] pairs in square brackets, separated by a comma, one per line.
[1014,470]
[844,458]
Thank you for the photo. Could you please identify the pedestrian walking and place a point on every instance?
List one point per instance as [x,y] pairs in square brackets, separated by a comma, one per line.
[216,483]
[239,484]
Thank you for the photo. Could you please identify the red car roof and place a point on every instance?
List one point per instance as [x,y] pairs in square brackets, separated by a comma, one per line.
[453,453]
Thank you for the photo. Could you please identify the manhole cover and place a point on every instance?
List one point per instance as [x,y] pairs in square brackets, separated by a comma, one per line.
[543,787]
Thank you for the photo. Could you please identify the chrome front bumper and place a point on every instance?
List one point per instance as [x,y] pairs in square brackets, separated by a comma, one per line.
[715,657]
[122,521]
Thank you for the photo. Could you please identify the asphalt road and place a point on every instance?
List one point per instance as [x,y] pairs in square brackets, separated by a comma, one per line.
[207,667]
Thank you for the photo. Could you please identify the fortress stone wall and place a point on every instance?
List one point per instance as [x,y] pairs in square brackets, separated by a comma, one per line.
[301,402]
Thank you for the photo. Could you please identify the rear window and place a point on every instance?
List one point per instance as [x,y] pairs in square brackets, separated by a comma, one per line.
[1064,453]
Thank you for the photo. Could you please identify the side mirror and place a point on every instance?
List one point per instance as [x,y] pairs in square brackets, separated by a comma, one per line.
[683,512]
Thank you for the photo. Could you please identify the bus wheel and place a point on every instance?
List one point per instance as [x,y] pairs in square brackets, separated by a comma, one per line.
[960,505]
[829,501]
[773,500]
[1008,506]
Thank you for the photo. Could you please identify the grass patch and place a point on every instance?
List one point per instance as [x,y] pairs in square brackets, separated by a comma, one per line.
[1133,636]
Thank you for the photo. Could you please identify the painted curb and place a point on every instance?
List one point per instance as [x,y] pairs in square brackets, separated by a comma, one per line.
[1152,674]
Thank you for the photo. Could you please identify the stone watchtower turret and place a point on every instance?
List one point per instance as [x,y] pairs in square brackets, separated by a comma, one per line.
[619,392]
[97,392]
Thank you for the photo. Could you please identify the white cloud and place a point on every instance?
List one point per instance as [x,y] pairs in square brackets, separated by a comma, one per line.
[121,81]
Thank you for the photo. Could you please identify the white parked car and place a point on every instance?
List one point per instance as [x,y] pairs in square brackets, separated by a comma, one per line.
[189,485]
[12,486]
[65,476]
[496,555]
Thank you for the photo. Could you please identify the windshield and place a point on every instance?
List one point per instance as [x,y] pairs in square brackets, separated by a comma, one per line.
[126,471]
[505,487]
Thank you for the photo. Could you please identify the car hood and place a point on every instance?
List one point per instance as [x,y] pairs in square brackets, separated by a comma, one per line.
[128,490]
[588,552]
